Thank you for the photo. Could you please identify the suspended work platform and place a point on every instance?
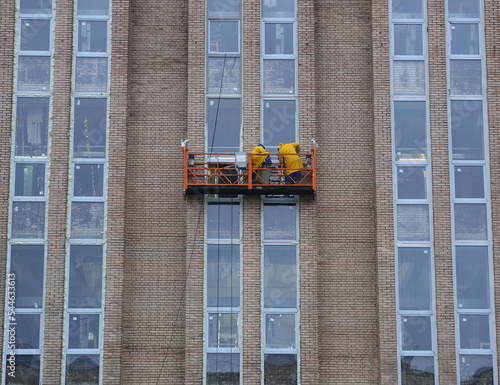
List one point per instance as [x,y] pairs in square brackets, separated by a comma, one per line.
[232,173]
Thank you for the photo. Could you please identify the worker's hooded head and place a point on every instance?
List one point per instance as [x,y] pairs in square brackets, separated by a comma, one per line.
[261,145]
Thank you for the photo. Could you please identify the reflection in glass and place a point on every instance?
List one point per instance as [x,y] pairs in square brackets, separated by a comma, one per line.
[278,76]
[465,77]
[82,369]
[227,81]
[88,180]
[278,39]
[224,36]
[27,263]
[280,277]
[280,331]
[83,331]
[223,368]
[92,36]
[408,39]
[474,331]
[410,125]
[469,182]
[28,220]
[35,35]
[413,222]
[409,77]
[223,330]
[219,9]
[92,7]
[416,333]
[223,221]
[463,8]
[412,182]
[280,369]
[278,9]
[36,6]
[87,220]
[414,278]
[27,367]
[224,125]
[30,179]
[91,74]
[417,370]
[223,275]
[464,39]
[279,122]
[470,221]
[467,134]
[85,277]
[32,126]
[407,9]
[89,138]
[33,73]
[27,328]
[280,222]
[472,277]
[476,369]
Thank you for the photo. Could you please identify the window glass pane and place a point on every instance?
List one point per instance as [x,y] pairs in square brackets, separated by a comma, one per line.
[87,220]
[223,368]
[417,370]
[82,369]
[476,369]
[278,77]
[223,275]
[36,6]
[279,122]
[27,263]
[474,331]
[223,330]
[28,220]
[92,7]
[463,8]
[280,222]
[91,74]
[278,39]
[35,35]
[470,221]
[464,39]
[89,180]
[412,182]
[409,77]
[467,129]
[85,277]
[408,39]
[224,36]
[280,369]
[414,277]
[410,135]
[469,182]
[92,36]
[416,333]
[465,77]
[83,331]
[30,179]
[280,277]
[413,223]
[32,126]
[280,331]
[278,8]
[27,328]
[33,73]
[26,367]
[223,221]
[407,9]
[227,81]
[224,8]
[224,125]
[90,128]
[472,277]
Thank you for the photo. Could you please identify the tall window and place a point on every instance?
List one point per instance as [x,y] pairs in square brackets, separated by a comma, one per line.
[87,229]
[223,292]
[29,192]
[223,76]
[279,72]
[470,195]
[280,316]
[412,194]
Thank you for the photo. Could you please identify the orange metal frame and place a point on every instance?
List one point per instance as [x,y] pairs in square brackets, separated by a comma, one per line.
[203,169]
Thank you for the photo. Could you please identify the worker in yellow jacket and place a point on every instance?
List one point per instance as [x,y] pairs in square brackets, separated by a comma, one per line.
[291,161]
[260,158]
[257,160]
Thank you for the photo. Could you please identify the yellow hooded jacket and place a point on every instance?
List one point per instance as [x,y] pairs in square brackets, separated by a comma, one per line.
[290,158]
[257,160]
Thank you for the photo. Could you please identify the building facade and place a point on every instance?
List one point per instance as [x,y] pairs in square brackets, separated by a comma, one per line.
[386,275]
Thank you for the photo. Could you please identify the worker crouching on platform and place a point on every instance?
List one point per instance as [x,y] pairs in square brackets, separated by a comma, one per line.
[260,158]
[289,158]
